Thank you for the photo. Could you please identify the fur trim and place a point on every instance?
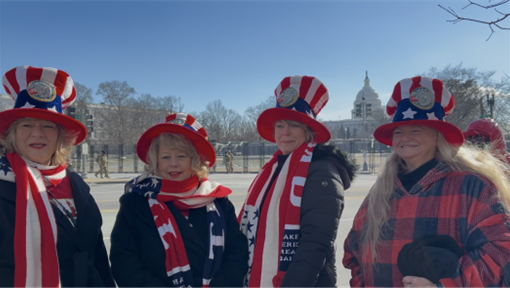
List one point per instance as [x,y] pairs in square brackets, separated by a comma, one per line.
[341,159]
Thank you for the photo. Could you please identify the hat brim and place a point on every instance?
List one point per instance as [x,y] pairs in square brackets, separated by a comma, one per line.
[72,125]
[204,148]
[451,133]
[267,119]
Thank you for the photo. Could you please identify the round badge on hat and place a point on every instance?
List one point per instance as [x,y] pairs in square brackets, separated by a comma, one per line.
[179,123]
[300,99]
[420,101]
[41,93]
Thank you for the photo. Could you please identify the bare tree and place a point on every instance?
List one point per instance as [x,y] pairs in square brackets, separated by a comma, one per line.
[222,124]
[121,116]
[491,23]
[252,113]
[470,88]
[168,105]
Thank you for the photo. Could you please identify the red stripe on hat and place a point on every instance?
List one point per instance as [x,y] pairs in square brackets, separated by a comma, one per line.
[306,82]
[416,83]
[190,120]
[11,77]
[317,97]
[438,87]
[34,73]
[285,84]
[448,109]
[70,99]
[170,118]
[60,82]
[397,97]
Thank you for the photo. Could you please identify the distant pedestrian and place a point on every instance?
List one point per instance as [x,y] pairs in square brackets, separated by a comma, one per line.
[102,161]
[293,208]
[50,225]
[230,162]
[437,215]
[175,227]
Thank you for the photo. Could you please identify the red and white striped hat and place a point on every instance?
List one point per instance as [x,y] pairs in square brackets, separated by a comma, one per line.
[179,123]
[300,99]
[420,101]
[40,93]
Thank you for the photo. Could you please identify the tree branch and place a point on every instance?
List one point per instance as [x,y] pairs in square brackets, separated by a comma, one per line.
[495,23]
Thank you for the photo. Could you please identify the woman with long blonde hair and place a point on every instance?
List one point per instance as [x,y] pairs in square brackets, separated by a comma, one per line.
[437,215]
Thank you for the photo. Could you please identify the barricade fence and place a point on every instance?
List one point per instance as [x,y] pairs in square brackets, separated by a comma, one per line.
[248,157]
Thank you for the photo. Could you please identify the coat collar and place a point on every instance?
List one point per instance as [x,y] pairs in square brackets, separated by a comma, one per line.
[441,170]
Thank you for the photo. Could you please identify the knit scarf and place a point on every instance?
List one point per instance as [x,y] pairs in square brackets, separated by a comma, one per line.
[187,194]
[35,233]
[279,218]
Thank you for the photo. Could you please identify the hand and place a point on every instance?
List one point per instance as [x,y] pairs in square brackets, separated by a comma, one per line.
[417,282]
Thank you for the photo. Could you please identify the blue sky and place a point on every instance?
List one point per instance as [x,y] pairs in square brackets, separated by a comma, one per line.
[238,51]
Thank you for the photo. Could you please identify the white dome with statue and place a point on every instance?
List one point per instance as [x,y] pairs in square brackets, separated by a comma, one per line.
[371,96]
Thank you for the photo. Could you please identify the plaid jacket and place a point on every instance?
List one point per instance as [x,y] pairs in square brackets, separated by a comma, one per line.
[460,204]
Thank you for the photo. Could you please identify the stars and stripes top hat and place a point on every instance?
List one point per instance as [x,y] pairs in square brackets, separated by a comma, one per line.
[179,123]
[40,93]
[300,99]
[420,101]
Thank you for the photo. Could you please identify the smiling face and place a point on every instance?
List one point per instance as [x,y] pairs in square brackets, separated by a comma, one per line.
[36,140]
[174,164]
[289,136]
[415,145]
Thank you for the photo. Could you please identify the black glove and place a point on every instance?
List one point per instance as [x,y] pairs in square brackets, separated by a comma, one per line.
[433,258]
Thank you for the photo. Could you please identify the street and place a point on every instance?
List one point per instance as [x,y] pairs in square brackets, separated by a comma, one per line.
[107,196]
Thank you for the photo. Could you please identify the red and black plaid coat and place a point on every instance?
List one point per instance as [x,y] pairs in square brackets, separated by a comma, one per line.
[460,204]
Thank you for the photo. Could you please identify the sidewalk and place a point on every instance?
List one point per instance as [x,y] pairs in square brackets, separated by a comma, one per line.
[115,178]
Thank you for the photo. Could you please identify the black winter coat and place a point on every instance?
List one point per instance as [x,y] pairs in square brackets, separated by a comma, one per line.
[330,173]
[138,256]
[82,256]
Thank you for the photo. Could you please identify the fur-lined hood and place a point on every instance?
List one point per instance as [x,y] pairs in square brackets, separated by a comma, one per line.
[346,165]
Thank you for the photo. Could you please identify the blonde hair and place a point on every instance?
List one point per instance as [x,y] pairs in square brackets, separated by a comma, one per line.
[309,132]
[460,158]
[65,142]
[173,141]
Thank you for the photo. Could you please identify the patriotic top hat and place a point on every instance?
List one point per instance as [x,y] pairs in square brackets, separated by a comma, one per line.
[300,99]
[420,101]
[179,123]
[40,93]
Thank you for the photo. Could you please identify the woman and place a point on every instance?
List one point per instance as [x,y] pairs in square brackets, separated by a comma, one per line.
[437,215]
[175,228]
[50,225]
[487,132]
[293,207]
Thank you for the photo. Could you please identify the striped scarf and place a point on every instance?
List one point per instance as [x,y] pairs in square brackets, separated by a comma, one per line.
[279,218]
[35,233]
[185,195]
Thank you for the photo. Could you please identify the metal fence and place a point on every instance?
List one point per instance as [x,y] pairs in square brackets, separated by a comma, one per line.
[249,157]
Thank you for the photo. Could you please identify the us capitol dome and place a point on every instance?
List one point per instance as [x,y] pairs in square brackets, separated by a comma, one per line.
[371,98]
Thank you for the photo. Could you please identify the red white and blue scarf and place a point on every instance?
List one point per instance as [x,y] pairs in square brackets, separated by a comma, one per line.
[188,194]
[35,232]
[279,218]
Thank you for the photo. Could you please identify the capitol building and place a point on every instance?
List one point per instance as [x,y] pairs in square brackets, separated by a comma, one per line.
[353,128]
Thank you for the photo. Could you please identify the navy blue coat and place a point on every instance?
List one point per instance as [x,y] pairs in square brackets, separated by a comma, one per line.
[138,256]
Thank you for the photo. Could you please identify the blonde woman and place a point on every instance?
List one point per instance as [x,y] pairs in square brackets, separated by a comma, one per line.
[293,207]
[437,215]
[50,225]
[175,228]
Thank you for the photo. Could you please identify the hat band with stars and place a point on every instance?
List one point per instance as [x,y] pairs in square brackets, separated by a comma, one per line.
[25,100]
[407,111]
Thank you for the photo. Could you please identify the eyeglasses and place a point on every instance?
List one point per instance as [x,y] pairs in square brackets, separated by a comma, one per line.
[481,141]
